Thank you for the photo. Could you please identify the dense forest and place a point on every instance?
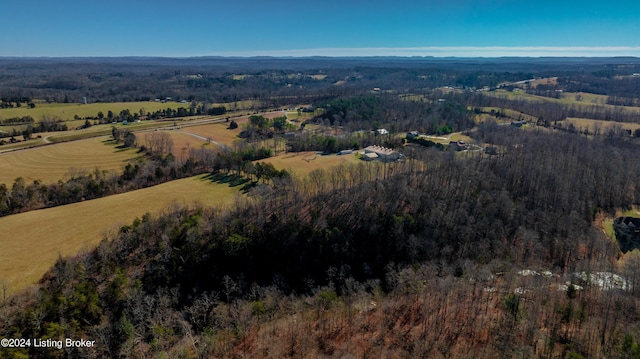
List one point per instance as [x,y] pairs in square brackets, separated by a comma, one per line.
[476,253]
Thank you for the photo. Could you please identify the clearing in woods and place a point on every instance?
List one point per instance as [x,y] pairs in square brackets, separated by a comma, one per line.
[585,123]
[302,163]
[52,163]
[31,242]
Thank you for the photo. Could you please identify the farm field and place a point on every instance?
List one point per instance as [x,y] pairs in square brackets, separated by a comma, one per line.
[543,81]
[567,99]
[218,132]
[31,242]
[302,163]
[53,162]
[585,97]
[509,113]
[182,141]
[67,111]
[603,125]
[241,117]
[73,135]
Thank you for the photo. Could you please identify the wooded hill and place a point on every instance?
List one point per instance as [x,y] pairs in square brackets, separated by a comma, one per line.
[409,259]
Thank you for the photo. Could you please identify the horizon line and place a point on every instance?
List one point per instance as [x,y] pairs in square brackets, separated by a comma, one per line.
[449,51]
[427,51]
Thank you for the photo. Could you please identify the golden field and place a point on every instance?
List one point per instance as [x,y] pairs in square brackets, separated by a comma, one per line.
[302,163]
[53,162]
[31,242]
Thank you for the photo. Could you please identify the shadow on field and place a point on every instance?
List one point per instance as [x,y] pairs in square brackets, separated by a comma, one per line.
[120,147]
[232,180]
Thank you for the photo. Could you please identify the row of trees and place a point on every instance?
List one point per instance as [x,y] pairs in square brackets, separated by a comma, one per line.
[10,102]
[24,120]
[46,124]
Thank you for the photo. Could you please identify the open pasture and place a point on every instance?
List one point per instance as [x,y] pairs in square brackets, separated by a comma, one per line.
[67,111]
[51,163]
[578,99]
[299,117]
[218,132]
[76,133]
[585,98]
[543,81]
[31,242]
[302,163]
[589,124]
[508,115]
[182,141]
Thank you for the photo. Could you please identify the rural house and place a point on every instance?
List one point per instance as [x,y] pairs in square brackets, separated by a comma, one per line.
[382,153]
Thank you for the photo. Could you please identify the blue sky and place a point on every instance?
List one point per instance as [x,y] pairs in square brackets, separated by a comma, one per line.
[333,27]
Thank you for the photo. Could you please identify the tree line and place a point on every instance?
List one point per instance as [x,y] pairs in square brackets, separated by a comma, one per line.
[46,124]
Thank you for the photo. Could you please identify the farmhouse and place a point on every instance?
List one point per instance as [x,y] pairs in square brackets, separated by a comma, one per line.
[382,153]
[627,231]
[382,131]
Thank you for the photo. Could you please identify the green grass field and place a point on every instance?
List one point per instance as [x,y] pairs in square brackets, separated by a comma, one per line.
[31,242]
[568,98]
[67,111]
[591,124]
[509,113]
[51,163]
[584,97]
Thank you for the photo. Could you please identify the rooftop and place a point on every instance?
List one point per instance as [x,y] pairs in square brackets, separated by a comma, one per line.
[379,150]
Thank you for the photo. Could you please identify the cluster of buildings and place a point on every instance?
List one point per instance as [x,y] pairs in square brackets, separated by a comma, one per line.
[383,154]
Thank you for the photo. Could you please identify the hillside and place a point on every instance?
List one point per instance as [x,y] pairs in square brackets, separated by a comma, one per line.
[352,270]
